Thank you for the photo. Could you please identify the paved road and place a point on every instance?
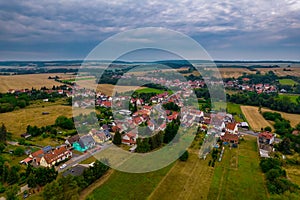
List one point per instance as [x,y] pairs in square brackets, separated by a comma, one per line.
[76,160]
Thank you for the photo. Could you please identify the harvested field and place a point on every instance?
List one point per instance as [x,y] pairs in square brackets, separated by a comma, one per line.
[17,121]
[28,81]
[254,118]
[107,89]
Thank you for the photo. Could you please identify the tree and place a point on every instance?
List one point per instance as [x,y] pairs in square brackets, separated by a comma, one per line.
[285,146]
[11,192]
[184,156]
[19,151]
[69,187]
[2,147]
[64,122]
[3,133]
[268,128]
[117,140]
[270,163]
[13,175]
[53,191]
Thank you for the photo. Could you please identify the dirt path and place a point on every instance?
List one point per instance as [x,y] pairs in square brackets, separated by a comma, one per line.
[87,191]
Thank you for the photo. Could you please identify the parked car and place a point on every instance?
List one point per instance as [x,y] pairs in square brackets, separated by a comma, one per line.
[63,166]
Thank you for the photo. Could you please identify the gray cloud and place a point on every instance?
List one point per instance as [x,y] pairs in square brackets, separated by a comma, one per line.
[224,24]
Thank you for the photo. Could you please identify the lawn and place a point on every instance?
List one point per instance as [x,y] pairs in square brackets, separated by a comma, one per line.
[122,185]
[287,81]
[291,96]
[235,110]
[238,175]
[186,180]
[150,90]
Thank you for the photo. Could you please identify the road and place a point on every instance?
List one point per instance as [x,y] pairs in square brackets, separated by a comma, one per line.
[76,160]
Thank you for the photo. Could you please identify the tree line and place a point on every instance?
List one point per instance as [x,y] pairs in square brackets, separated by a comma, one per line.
[69,187]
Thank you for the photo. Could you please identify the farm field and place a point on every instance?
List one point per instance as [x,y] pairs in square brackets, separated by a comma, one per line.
[287,82]
[229,72]
[107,89]
[254,118]
[186,180]
[122,185]
[238,175]
[17,121]
[28,81]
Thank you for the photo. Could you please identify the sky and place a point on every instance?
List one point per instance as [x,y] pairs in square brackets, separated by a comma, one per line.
[227,29]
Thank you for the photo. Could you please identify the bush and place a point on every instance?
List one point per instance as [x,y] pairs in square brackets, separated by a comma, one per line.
[184,156]
[19,151]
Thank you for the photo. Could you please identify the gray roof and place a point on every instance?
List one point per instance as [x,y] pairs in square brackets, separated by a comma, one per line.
[86,140]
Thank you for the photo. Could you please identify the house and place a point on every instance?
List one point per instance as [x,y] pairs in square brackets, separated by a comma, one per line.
[138,120]
[296,132]
[265,141]
[232,128]
[86,142]
[162,127]
[151,125]
[57,155]
[26,161]
[129,138]
[71,140]
[25,135]
[230,138]
[218,122]
[266,137]
[244,125]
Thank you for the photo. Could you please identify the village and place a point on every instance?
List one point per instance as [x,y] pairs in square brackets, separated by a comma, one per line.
[149,114]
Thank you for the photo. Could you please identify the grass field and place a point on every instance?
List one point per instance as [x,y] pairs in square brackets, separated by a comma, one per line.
[17,121]
[293,97]
[287,82]
[236,111]
[28,81]
[254,118]
[122,185]
[293,173]
[150,90]
[238,175]
[186,180]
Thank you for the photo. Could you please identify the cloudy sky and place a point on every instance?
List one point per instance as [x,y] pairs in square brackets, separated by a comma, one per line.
[227,29]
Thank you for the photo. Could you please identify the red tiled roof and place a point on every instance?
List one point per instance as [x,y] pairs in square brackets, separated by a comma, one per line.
[37,153]
[266,135]
[231,126]
[230,137]
[56,154]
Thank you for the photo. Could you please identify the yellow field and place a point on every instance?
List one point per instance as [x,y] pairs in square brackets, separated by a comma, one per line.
[254,118]
[107,89]
[186,180]
[237,72]
[234,72]
[17,121]
[28,81]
